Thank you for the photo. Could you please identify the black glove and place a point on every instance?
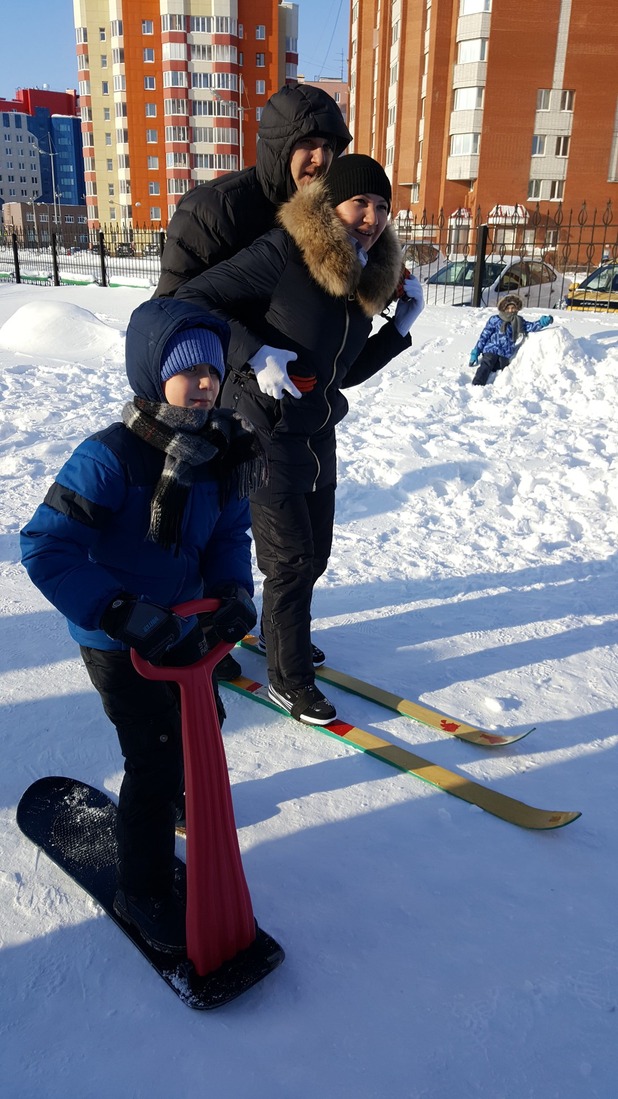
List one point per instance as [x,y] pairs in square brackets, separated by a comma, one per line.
[146,627]
[235,617]
[192,648]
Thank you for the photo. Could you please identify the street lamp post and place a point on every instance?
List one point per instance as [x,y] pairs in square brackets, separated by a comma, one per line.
[51,154]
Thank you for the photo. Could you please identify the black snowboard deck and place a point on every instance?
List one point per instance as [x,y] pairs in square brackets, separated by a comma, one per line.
[74,824]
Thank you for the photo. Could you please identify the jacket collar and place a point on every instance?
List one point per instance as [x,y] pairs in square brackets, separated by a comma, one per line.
[330,255]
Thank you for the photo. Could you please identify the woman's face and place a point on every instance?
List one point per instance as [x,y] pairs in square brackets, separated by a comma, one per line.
[365,217]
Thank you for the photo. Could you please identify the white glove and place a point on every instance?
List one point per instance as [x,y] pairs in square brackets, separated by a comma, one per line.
[410,306]
[270,369]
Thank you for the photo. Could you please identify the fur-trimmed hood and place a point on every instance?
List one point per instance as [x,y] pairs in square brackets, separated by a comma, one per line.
[330,255]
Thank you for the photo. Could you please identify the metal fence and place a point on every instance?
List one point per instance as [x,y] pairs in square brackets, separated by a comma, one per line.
[109,257]
[473,258]
[463,258]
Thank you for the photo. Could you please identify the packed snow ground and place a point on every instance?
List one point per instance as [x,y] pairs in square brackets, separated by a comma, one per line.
[433,951]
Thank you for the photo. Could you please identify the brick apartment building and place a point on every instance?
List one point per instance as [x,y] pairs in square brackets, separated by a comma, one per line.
[486,103]
[171,93]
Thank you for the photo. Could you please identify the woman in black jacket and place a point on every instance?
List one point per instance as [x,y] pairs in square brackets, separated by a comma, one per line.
[306,294]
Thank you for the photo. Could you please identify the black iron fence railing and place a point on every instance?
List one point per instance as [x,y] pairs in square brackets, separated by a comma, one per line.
[465,258]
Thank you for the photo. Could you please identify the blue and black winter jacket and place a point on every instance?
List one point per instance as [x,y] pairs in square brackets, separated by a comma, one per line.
[497,337]
[87,542]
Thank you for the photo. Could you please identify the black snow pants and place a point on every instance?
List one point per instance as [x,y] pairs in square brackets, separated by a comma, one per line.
[146,715]
[293,536]
[488,363]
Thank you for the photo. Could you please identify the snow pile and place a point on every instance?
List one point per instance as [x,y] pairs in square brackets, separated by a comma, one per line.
[432,950]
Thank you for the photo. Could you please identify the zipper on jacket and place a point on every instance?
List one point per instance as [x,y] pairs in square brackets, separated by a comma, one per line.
[326,387]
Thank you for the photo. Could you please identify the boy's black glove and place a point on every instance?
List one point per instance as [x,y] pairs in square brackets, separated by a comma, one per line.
[234,618]
[146,627]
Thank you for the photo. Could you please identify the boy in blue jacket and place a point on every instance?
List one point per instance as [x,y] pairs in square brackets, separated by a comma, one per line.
[501,337]
[144,515]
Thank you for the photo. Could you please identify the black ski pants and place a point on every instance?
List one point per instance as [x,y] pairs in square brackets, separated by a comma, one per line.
[293,536]
[146,715]
[488,364]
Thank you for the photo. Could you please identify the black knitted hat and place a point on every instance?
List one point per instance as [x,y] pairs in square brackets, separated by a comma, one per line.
[357,174]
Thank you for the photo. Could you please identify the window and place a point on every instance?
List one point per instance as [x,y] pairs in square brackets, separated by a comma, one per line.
[117,28]
[538,144]
[393,74]
[110,189]
[110,165]
[543,97]
[81,34]
[464,144]
[150,83]
[176,106]
[176,160]
[534,188]
[258,113]
[177,133]
[260,31]
[474,7]
[104,87]
[152,136]
[147,26]
[556,190]
[118,56]
[103,60]
[172,23]
[155,213]
[151,110]
[120,83]
[108,139]
[468,99]
[260,60]
[473,49]
[152,163]
[562,146]
[107,114]
[102,34]
[567,100]
[174,79]
[174,51]
[154,188]
[395,33]
[148,56]
[260,87]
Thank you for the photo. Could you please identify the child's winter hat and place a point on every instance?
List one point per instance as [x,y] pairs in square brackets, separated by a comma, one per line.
[357,174]
[510,299]
[187,348]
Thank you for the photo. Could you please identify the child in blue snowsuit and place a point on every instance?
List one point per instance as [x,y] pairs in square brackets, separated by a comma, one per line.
[147,514]
[501,337]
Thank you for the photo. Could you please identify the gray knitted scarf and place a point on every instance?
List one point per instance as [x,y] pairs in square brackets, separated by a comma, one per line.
[191,438]
[515,322]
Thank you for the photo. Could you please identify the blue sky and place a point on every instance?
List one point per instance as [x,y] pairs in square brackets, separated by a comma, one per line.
[50,55]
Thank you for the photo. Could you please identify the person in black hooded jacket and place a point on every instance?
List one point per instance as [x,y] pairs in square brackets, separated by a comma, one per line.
[304,296]
[301,130]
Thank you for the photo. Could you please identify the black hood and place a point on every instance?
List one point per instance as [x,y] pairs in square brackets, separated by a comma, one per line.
[150,327]
[290,115]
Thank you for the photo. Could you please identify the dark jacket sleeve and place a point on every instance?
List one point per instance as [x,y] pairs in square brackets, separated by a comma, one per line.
[380,348]
[245,282]
[199,235]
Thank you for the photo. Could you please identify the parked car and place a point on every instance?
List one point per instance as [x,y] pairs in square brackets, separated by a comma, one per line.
[153,249]
[536,282]
[422,258]
[125,249]
[598,291]
[96,249]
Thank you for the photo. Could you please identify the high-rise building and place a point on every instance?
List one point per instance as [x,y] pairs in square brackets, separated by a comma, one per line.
[171,93]
[487,103]
[41,148]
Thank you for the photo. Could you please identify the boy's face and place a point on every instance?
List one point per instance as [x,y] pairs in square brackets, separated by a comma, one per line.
[196,387]
[511,308]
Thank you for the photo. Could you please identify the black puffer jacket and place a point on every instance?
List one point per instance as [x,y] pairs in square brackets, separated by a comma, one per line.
[216,219]
[303,288]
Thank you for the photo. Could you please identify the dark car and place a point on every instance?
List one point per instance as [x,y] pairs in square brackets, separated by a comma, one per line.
[153,249]
[125,249]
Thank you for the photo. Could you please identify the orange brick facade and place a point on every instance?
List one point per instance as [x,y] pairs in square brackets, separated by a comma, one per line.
[171,95]
[485,103]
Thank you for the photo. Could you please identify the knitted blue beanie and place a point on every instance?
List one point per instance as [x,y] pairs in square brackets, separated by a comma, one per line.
[189,347]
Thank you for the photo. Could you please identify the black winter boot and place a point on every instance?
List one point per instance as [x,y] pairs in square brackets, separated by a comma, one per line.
[159,920]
